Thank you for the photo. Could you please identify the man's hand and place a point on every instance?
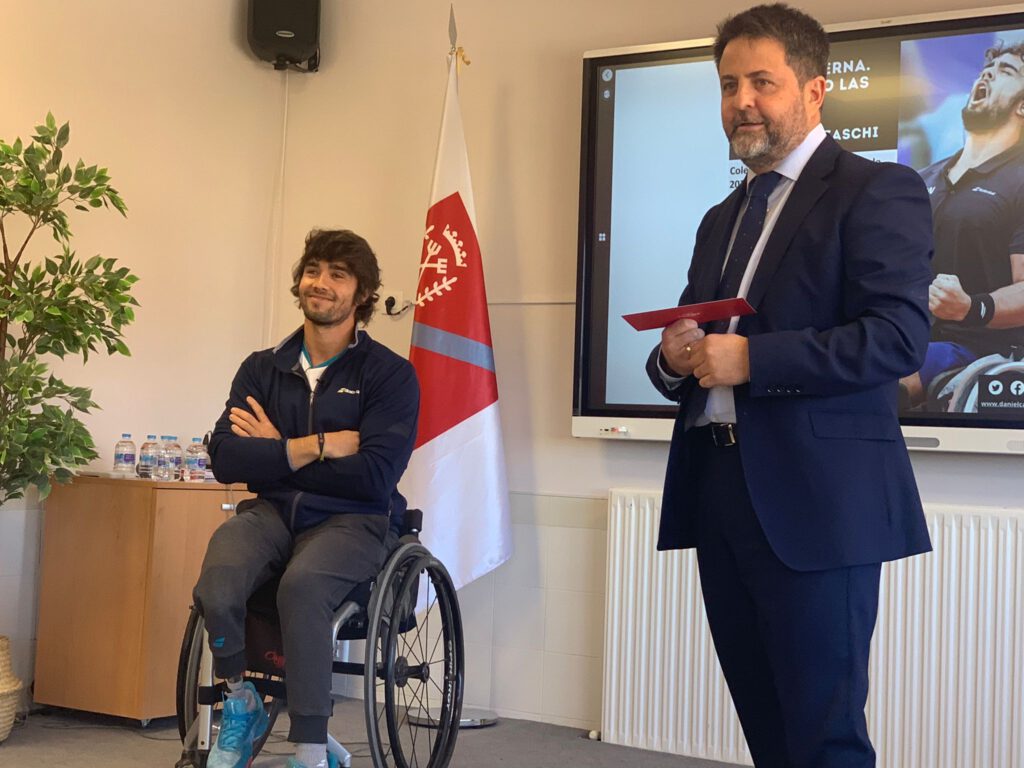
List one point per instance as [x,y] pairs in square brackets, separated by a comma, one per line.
[337,445]
[947,299]
[255,424]
[677,344]
[721,359]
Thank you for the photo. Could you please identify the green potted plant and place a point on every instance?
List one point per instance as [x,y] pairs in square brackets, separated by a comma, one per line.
[56,305]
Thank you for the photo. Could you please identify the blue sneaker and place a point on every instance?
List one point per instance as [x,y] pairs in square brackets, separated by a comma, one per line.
[332,762]
[239,728]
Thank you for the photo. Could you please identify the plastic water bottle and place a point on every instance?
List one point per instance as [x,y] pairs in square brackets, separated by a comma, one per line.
[147,456]
[175,457]
[124,455]
[196,460]
[163,470]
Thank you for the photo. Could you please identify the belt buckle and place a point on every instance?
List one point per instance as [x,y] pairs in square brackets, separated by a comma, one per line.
[723,435]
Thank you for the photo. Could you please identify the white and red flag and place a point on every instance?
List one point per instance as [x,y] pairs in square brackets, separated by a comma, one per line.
[457,471]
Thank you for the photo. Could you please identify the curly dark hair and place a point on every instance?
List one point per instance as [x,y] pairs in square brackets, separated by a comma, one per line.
[345,246]
[1001,48]
[800,35]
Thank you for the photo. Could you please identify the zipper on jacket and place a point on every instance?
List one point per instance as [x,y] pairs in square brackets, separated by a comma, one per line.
[312,397]
[298,495]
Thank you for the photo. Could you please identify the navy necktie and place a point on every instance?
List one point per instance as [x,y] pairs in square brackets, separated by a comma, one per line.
[747,235]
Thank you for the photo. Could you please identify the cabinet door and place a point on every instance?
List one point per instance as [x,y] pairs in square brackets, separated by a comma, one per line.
[185,518]
[92,596]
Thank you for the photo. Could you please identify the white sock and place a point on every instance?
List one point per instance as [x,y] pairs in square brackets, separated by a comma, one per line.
[311,755]
[237,690]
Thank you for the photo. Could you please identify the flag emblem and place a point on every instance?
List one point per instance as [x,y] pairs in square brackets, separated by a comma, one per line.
[457,470]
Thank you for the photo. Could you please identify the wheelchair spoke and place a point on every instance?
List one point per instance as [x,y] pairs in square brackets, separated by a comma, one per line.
[417,657]
[407,647]
[422,636]
[433,650]
[412,730]
[419,700]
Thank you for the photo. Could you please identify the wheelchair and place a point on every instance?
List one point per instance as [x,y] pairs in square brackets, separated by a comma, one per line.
[956,390]
[413,667]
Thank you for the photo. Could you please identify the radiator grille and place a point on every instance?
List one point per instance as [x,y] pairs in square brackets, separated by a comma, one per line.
[947,662]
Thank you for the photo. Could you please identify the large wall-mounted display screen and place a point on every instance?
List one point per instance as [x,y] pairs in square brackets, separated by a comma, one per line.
[942,95]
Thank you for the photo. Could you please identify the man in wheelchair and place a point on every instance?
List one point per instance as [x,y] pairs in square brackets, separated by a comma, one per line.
[321,428]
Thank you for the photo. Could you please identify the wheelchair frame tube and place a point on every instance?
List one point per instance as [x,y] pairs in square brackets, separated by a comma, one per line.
[336,749]
[205,718]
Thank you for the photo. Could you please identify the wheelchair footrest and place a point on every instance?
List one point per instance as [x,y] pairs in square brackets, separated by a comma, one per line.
[209,695]
[347,668]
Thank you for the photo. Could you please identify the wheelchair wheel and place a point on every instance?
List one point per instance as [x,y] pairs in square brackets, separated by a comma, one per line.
[413,681]
[188,692]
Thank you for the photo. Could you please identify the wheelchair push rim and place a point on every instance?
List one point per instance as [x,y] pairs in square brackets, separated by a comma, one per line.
[414,663]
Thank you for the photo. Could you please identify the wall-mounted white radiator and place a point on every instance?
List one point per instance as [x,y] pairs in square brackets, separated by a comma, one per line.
[947,659]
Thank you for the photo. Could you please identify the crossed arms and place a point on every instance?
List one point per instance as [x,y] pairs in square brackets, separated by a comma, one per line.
[364,465]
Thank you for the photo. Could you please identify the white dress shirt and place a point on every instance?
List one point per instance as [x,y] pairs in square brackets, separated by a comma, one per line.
[721,405]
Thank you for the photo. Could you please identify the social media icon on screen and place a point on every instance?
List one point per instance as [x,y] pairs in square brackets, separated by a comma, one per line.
[1017,387]
[995,387]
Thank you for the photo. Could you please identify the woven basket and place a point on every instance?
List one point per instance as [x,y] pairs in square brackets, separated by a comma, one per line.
[10,690]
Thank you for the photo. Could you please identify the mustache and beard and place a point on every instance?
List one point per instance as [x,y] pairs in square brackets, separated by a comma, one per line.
[768,146]
[981,115]
[331,312]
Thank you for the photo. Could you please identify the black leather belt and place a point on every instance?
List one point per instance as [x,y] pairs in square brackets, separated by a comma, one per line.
[723,435]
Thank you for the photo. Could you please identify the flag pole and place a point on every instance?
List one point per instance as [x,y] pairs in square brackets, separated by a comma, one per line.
[450,273]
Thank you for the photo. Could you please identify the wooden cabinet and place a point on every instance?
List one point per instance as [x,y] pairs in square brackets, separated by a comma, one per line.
[119,560]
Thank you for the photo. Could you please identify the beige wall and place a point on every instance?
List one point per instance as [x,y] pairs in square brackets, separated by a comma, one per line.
[167,96]
[362,136]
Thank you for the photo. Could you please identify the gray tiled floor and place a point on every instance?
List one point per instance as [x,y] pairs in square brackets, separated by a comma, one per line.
[80,740]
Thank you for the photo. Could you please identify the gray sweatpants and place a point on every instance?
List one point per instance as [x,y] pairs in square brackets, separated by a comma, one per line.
[320,567]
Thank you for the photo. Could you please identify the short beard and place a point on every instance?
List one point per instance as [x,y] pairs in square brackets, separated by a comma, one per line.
[778,139]
[986,119]
[327,318]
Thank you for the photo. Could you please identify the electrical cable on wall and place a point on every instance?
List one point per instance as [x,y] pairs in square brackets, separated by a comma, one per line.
[273,255]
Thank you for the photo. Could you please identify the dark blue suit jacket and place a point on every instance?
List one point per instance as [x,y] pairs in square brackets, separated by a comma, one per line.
[841,294]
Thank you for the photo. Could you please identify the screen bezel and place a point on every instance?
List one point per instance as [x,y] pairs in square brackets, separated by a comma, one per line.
[655,422]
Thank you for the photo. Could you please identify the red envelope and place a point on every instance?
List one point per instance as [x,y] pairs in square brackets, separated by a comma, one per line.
[704,312]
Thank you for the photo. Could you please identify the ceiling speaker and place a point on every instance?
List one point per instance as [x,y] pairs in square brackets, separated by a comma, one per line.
[286,32]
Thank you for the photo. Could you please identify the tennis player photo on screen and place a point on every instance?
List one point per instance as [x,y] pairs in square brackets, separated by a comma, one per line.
[962,127]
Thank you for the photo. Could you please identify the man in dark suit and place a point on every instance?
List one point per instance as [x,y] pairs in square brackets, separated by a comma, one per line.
[787,469]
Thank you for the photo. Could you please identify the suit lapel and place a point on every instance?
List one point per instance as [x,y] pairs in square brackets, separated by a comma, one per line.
[714,250]
[809,187]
